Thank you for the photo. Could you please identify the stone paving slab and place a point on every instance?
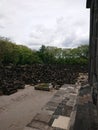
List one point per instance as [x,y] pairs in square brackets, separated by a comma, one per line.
[42,117]
[49,128]
[53,103]
[61,122]
[53,128]
[71,102]
[29,128]
[38,125]
[50,108]
[47,111]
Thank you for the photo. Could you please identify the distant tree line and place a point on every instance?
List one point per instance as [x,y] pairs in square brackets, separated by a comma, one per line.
[10,53]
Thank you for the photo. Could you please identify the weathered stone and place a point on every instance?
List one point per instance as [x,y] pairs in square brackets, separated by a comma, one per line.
[50,108]
[53,128]
[52,103]
[85,113]
[62,122]
[38,125]
[72,100]
[93,45]
[54,109]
[42,117]
[47,111]
[18,76]
[29,128]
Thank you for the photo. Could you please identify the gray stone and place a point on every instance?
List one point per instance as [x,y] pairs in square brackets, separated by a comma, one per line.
[52,103]
[47,111]
[85,112]
[29,128]
[42,117]
[50,108]
[53,128]
[38,125]
[93,45]
[61,122]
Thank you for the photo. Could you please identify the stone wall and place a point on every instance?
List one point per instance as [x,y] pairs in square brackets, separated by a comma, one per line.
[84,115]
[93,46]
[13,77]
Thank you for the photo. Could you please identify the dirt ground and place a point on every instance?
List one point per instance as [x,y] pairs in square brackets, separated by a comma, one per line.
[18,109]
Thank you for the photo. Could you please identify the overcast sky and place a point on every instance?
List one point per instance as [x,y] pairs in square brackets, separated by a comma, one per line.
[61,23]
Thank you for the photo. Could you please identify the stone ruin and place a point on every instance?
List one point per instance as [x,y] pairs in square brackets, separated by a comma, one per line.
[13,77]
[84,115]
[93,47]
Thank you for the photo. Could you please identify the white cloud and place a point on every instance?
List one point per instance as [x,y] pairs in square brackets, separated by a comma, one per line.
[64,34]
[61,23]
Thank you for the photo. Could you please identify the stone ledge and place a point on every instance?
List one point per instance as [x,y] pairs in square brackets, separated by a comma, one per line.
[84,115]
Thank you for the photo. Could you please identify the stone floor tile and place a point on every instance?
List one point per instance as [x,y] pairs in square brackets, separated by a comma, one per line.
[29,128]
[42,117]
[38,125]
[62,122]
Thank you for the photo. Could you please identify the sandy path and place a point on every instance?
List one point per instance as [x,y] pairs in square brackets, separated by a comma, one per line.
[18,109]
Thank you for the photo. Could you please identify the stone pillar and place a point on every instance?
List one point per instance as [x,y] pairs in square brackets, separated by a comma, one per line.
[93,45]
[90,46]
[93,49]
[96,38]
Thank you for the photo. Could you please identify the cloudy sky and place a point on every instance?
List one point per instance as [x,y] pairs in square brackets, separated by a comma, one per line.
[61,23]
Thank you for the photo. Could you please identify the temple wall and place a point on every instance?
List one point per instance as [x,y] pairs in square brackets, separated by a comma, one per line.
[93,66]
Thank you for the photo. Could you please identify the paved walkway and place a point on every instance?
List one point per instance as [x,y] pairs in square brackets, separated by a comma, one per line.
[55,115]
[18,109]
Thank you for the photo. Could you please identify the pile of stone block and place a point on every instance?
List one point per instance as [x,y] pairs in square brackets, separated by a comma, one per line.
[44,86]
[15,77]
[82,79]
[8,88]
[9,82]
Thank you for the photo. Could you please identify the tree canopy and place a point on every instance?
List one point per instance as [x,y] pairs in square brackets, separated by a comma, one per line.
[19,54]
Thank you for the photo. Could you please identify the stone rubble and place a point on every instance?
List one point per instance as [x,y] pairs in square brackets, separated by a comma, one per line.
[15,77]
